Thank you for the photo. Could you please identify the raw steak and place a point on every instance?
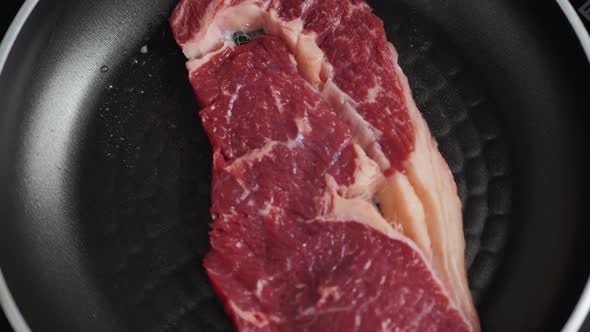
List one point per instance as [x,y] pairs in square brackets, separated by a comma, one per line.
[307,127]
[295,246]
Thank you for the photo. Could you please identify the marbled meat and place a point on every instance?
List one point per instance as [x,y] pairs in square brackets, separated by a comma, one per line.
[333,208]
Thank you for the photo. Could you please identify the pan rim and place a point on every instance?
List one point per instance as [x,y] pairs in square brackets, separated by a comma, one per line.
[576,24]
[582,308]
[7,302]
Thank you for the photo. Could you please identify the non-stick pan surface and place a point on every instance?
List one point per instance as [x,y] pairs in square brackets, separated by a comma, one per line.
[105,169]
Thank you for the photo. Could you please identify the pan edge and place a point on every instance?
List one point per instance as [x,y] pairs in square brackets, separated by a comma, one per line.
[7,302]
[582,308]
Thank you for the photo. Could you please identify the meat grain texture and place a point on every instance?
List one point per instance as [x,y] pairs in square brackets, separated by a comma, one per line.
[311,124]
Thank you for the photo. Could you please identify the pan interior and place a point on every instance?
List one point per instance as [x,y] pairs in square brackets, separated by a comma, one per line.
[146,180]
[138,166]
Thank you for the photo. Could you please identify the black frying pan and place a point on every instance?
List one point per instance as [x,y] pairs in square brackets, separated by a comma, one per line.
[105,170]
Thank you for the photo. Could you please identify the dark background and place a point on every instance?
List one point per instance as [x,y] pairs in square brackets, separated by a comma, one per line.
[8,9]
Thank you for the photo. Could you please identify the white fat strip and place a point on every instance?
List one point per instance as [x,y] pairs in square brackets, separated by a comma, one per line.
[289,264]
[222,23]
[356,209]
[225,217]
[191,48]
[260,284]
[303,128]
[305,6]
[367,176]
[268,208]
[195,64]
[327,292]
[361,5]
[255,318]
[266,150]
[179,11]
[357,321]
[276,95]
[312,311]
[296,142]
[367,179]
[385,325]
[425,312]
[373,93]
[364,133]
[265,211]
[232,101]
[403,294]
[302,124]
[245,189]
[292,59]
[310,58]
[338,153]
[426,168]
[307,55]
[253,155]
[401,206]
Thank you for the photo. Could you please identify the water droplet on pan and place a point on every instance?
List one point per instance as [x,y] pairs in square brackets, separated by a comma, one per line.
[104,69]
